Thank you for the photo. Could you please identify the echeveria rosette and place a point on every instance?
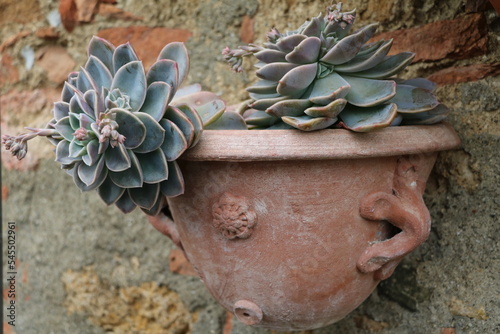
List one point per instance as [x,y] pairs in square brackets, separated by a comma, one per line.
[115,130]
[320,75]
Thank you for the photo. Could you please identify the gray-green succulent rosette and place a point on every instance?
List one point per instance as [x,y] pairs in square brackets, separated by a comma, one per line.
[320,76]
[115,129]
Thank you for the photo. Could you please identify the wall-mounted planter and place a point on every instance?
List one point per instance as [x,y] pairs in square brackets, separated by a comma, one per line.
[293,230]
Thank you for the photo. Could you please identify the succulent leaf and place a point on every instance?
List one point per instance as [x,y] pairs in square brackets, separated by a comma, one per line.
[361,63]
[131,177]
[145,196]
[84,81]
[195,119]
[388,67]
[103,50]
[117,159]
[329,111]
[164,70]
[110,192]
[368,92]
[270,56]
[131,81]
[90,174]
[123,55]
[61,110]
[99,72]
[361,119]
[154,166]
[130,126]
[328,89]
[158,96]
[275,71]
[287,44]
[348,47]
[295,82]
[177,52]
[63,126]
[92,153]
[175,143]
[228,121]
[306,52]
[411,99]
[125,203]
[174,186]
[259,118]
[82,186]
[306,123]
[155,134]
[292,107]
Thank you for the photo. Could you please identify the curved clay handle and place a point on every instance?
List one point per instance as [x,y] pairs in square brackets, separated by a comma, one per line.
[166,226]
[405,209]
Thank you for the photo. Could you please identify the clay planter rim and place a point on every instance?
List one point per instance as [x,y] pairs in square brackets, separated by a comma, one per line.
[269,145]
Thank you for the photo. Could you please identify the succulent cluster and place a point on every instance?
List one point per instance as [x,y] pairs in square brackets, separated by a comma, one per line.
[319,76]
[116,130]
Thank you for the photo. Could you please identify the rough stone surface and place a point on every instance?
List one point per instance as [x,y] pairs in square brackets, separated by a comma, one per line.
[453,278]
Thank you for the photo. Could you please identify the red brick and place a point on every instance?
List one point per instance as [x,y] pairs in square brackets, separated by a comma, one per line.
[113,12]
[475,72]
[147,42]
[228,325]
[86,9]
[69,14]
[247,32]
[460,38]
[8,72]
[13,39]
[5,193]
[47,33]
[448,331]
[179,264]
[56,62]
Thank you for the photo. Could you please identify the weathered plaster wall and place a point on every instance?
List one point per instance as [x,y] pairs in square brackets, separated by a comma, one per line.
[86,268]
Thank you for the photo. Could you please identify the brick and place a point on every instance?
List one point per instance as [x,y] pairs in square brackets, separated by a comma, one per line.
[69,14]
[469,73]
[179,264]
[448,331]
[5,193]
[13,39]
[147,41]
[8,72]
[56,62]
[116,13]
[228,325]
[85,9]
[460,38]
[47,33]
[247,33]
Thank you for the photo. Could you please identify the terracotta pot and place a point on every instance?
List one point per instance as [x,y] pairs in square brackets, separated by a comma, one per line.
[293,230]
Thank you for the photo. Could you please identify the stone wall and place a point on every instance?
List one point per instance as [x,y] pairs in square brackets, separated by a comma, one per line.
[86,268]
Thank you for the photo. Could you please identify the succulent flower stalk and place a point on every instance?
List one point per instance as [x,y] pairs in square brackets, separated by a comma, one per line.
[319,76]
